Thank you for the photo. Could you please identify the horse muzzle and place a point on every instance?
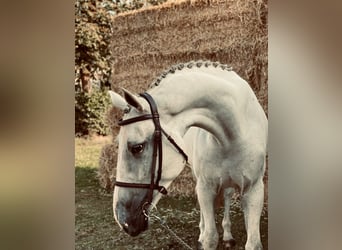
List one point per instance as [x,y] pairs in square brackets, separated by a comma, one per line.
[130,216]
[134,229]
[133,224]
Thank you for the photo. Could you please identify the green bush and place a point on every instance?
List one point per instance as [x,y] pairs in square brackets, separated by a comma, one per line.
[90,113]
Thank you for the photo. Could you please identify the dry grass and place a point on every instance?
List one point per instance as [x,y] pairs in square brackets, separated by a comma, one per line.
[87,150]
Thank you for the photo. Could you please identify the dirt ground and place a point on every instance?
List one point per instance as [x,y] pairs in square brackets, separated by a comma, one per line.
[96,229]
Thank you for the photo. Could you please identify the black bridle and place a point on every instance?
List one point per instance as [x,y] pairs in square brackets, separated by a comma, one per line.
[157,150]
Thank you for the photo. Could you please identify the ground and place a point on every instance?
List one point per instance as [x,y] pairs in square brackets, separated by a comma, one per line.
[95,226]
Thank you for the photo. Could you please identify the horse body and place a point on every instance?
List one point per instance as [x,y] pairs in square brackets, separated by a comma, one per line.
[215,116]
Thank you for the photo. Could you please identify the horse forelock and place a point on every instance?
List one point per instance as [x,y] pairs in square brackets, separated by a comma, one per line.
[188,65]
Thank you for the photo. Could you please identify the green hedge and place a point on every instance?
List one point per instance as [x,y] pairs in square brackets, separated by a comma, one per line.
[90,113]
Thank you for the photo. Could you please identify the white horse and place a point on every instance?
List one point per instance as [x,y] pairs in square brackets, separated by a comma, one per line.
[214,116]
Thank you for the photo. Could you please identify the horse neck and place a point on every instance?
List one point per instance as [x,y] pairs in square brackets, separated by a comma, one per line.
[198,101]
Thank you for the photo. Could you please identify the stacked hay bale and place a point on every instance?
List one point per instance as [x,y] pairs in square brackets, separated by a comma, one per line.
[233,32]
[147,41]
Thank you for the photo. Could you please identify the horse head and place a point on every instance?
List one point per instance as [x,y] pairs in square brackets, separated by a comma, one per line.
[139,173]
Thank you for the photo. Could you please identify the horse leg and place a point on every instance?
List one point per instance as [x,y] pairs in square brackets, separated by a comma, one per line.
[201,227]
[252,204]
[209,236]
[228,240]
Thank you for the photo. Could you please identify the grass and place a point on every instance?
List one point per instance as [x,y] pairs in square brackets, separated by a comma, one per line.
[87,151]
[96,229]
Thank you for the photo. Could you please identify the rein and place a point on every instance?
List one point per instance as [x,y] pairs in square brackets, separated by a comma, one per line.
[157,150]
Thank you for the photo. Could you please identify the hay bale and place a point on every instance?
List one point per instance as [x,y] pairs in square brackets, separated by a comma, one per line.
[147,41]
[107,165]
[112,117]
[183,185]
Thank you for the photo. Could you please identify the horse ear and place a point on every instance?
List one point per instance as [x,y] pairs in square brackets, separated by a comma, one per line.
[132,100]
[118,101]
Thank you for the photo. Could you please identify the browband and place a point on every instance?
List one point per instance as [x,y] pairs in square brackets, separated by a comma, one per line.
[135,119]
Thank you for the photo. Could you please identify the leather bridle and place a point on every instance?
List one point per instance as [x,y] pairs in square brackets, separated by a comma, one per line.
[157,150]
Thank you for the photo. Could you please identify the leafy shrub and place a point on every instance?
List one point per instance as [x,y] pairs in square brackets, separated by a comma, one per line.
[90,112]
[93,58]
[93,36]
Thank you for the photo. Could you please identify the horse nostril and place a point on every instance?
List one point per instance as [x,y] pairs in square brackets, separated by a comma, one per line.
[128,205]
[125,227]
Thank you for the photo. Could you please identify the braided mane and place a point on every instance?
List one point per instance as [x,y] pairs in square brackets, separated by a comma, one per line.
[191,64]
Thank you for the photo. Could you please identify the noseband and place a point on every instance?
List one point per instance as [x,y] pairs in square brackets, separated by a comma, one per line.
[157,150]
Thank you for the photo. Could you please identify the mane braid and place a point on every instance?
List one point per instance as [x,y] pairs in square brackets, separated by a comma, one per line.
[191,64]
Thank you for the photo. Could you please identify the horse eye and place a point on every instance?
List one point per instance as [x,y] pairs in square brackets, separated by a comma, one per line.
[137,149]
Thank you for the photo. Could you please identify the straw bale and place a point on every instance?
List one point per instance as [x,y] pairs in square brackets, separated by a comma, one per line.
[112,117]
[183,185]
[150,40]
[107,165]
